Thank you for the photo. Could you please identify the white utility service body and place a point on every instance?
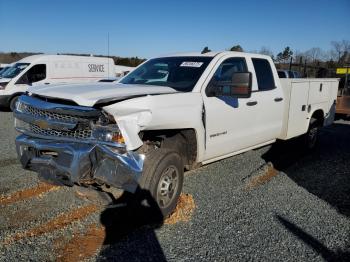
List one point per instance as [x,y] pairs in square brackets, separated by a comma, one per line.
[193,108]
[52,69]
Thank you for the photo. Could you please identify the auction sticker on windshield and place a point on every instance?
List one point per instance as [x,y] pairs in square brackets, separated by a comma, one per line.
[192,64]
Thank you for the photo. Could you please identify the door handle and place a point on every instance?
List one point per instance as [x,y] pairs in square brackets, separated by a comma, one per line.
[47,83]
[252,103]
[278,99]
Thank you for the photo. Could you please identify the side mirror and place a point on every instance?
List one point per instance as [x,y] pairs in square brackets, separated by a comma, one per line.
[240,86]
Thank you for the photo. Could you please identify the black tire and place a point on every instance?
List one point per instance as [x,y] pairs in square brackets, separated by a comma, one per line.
[309,139]
[163,177]
[13,103]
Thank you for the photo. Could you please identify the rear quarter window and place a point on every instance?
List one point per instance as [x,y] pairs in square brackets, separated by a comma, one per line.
[264,74]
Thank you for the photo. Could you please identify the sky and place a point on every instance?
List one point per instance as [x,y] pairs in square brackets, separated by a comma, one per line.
[153,27]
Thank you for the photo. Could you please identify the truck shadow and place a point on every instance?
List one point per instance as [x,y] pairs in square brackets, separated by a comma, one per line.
[4,109]
[312,242]
[130,229]
[325,171]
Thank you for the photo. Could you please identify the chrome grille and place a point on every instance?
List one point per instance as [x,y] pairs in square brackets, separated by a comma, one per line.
[78,134]
[28,109]
[38,117]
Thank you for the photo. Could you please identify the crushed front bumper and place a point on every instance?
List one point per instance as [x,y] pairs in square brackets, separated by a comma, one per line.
[69,163]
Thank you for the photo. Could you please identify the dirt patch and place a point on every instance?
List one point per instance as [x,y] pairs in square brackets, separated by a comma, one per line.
[81,246]
[36,191]
[265,174]
[183,211]
[55,223]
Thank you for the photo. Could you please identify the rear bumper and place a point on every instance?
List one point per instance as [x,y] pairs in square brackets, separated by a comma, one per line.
[69,163]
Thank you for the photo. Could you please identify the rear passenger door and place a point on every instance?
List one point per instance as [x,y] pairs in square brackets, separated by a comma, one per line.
[269,97]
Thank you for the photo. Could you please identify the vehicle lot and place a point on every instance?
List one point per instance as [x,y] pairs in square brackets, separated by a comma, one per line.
[244,210]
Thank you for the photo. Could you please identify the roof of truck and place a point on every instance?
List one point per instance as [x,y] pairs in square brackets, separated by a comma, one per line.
[212,54]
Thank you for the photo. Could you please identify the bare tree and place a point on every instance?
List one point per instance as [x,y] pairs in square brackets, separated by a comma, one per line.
[338,48]
[266,51]
[299,56]
[329,55]
[314,53]
[346,46]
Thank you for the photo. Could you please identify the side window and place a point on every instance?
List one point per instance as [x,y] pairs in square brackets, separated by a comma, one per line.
[281,74]
[228,67]
[34,74]
[263,74]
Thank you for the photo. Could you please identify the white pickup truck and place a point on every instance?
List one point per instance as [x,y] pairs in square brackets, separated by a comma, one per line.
[170,114]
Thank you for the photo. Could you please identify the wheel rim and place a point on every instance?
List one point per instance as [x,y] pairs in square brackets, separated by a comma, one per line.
[167,186]
[312,137]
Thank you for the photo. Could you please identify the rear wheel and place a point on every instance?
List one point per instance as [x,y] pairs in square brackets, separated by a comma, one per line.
[13,103]
[163,178]
[310,138]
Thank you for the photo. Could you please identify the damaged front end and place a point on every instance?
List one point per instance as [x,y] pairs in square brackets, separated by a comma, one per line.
[70,145]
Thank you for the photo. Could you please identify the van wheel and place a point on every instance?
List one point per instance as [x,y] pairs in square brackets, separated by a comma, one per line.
[163,178]
[310,137]
[13,103]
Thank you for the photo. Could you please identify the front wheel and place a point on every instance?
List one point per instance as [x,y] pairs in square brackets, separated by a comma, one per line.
[163,178]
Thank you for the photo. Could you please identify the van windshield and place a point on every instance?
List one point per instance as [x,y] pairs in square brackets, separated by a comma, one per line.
[180,73]
[3,70]
[14,70]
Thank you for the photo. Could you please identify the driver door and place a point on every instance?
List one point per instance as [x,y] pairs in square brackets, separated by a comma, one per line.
[34,76]
[231,123]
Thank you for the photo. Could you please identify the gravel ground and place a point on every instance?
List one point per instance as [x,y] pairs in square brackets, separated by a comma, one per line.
[296,208]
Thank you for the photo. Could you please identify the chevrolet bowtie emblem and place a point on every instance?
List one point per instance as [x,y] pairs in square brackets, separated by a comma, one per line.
[42,124]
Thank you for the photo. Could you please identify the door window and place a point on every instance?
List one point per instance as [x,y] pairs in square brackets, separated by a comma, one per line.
[229,67]
[34,74]
[264,74]
[225,71]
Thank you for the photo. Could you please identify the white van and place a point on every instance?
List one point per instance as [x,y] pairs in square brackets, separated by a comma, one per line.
[2,66]
[51,69]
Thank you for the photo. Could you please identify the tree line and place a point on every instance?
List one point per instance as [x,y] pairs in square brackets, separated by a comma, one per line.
[338,55]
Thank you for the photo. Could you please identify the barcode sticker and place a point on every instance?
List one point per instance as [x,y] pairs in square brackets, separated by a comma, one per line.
[192,64]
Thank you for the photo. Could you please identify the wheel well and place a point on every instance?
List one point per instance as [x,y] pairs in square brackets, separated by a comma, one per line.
[14,95]
[183,141]
[319,116]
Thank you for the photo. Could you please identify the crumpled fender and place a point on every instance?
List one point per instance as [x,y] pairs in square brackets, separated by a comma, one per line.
[131,125]
[157,112]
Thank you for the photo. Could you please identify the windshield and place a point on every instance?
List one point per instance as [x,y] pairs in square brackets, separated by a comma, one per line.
[14,70]
[180,73]
[3,70]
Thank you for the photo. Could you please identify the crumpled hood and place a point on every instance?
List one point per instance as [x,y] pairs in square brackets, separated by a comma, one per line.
[89,94]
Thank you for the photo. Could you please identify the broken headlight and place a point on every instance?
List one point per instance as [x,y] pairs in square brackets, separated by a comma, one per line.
[106,130]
